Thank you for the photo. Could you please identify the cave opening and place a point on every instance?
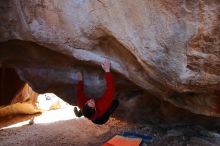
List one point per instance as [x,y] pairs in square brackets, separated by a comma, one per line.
[19,101]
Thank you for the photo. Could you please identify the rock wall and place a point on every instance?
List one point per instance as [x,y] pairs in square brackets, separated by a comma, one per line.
[10,85]
[168,48]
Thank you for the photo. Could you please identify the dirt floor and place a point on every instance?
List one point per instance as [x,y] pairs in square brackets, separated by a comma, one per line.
[61,127]
[55,128]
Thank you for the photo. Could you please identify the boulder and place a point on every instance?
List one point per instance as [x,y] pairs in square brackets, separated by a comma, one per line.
[169,49]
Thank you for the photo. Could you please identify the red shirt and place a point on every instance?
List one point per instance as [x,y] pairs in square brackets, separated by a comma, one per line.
[104,102]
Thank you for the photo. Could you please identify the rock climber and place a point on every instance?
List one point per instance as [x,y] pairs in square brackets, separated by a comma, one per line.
[97,110]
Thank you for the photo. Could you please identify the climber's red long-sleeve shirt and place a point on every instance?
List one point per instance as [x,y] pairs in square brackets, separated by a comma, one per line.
[102,103]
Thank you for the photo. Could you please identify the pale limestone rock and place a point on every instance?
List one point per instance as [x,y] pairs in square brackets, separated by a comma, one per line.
[168,48]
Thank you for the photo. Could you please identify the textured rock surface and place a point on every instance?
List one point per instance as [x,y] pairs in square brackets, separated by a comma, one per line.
[169,49]
[10,87]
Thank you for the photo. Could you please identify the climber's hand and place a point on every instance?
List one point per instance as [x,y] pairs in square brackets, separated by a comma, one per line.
[106,65]
[79,75]
[77,113]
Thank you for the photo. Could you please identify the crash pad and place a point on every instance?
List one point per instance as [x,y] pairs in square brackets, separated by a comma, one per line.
[118,140]
[144,137]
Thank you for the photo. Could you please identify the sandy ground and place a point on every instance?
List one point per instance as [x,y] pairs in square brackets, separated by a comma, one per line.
[55,128]
[62,128]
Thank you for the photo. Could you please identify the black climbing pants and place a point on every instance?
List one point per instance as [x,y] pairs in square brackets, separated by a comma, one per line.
[105,117]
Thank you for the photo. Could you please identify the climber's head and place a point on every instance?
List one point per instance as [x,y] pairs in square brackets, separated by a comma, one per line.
[89,109]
